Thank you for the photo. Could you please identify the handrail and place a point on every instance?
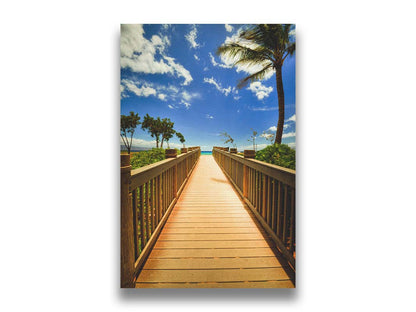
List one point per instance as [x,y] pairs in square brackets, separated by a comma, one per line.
[148,195]
[270,193]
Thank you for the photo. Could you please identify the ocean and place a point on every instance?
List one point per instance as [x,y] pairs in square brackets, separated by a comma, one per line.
[206,152]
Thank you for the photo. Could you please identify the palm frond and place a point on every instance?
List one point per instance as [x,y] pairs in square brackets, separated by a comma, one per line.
[253,77]
[246,55]
[267,45]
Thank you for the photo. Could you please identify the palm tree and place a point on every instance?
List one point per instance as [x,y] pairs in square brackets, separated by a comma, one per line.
[154,127]
[267,45]
[128,125]
[181,138]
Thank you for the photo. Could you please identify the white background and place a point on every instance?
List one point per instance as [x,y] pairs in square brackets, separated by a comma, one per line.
[59,99]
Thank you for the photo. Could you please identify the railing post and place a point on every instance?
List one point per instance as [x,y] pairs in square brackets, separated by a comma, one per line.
[247,154]
[175,181]
[126,226]
[245,181]
[172,153]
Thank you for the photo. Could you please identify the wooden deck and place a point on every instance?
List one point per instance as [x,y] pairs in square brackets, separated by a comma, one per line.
[211,240]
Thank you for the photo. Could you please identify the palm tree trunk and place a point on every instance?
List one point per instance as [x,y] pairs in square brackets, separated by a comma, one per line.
[281,101]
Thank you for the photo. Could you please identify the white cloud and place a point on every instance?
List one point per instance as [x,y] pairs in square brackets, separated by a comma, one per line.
[260,90]
[186,96]
[292,118]
[208,116]
[163,93]
[218,86]
[267,135]
[263,109]
[196,57]
[123,92]
[214,62]
[147,56]
[142,90]
[187,104]
[191,37]
[228,28]
[289,135]
[162,96]
[173,89]
[285,135]
[180,70]
[140,143]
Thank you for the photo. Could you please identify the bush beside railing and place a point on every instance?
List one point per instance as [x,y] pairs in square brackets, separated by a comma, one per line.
[269,191]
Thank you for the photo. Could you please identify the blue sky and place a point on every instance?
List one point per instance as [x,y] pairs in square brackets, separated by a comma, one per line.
[172,71]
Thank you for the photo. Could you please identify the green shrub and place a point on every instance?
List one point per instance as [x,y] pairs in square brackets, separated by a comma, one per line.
[280,155]
[145,158]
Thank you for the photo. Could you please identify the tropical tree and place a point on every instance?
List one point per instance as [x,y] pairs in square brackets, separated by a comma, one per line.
[267,45]
[153,126]
[253,139]
[268,136]
[227,138]
[181,138]
[167,130]
[128,125]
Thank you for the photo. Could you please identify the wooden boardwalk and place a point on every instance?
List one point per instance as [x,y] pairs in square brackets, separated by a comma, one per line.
[211,240]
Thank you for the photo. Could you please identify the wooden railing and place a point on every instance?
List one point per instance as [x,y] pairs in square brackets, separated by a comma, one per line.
[269,191]
[148,195]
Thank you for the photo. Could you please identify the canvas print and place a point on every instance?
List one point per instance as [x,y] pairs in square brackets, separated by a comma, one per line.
[208,156]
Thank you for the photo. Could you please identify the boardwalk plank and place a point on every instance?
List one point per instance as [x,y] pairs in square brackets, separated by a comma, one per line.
[210,236]
[195,230]
[214,275]
[262,284]
[211,253]
[211,244]
[211,240]
[210,224]
[212,263]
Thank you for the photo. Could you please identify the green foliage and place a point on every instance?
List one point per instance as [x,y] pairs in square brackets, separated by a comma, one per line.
[278,154]
[227,138]
[128,125]
[145,158]
[181,138]
[253,138]
[159,128]
[153,126]
[167,131]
